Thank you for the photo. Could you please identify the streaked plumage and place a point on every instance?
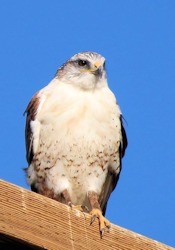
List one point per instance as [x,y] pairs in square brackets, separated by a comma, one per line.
[75,137]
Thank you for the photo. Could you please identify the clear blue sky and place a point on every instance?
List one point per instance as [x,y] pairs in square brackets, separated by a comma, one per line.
[138,40]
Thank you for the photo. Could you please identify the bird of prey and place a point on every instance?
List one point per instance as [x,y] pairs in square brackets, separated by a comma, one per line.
[75,138]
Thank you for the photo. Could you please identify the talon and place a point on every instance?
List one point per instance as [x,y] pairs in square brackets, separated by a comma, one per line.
[103,222]
[102,231]
[70,204]
[93,218]
[85,208]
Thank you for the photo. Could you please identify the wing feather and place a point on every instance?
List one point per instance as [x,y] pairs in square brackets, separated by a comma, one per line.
[31,112]
[112,177]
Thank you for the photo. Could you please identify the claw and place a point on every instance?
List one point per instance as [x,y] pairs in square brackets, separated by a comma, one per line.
[102,231]
[70,204]
[85,208]
[93,218]
[103,222]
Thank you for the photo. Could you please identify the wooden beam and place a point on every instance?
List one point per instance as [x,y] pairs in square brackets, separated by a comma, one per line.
[34,220]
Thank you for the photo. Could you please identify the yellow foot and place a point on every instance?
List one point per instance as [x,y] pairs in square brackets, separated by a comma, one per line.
[103,222]
[78,207]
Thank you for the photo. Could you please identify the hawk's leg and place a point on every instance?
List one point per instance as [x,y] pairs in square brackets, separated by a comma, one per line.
[66,196]
[97,213]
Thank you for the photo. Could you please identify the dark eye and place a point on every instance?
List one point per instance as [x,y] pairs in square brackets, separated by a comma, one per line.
[82,63]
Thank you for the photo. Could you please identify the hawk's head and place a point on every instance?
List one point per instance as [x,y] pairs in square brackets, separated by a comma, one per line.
[85,69]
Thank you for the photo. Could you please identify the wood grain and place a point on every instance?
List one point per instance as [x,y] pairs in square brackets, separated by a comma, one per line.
[29,217]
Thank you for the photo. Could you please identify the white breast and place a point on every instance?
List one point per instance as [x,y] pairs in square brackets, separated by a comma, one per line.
[77,137]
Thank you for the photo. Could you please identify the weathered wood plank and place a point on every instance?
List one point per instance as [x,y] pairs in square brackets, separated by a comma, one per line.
[45,223]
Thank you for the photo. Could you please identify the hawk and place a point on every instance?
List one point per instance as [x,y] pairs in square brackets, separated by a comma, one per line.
[75,138]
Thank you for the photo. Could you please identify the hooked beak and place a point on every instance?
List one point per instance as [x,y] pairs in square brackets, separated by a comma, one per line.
[98,68]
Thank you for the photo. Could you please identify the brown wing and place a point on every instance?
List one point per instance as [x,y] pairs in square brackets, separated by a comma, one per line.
[31,111]
[112,178]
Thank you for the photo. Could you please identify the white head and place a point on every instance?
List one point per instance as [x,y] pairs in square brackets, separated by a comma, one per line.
[85,70]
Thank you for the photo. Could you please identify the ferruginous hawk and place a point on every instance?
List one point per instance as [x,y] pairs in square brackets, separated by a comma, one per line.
[75,138]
